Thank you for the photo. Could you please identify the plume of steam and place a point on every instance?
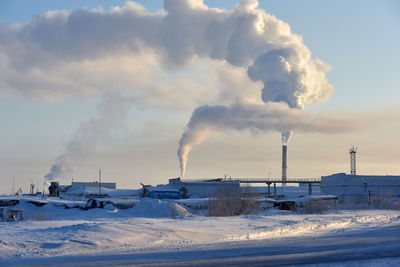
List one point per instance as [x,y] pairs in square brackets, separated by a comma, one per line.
[288,73]
[285,136]
[76,49]
[186,30]
[112,110]
[256,117]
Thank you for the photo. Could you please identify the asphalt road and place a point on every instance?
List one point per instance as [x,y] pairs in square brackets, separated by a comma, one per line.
[341,246]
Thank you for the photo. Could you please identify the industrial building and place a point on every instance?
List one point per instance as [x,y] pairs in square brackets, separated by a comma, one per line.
[360,188]
[79,185]
[202,188]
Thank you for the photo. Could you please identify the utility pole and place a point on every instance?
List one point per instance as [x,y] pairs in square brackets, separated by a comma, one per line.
[99,182]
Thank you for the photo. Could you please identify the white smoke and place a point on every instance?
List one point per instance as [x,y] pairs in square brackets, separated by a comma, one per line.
[90,52]
[285,137]
[255,117]
[112,111]
[277,58]
[290,75]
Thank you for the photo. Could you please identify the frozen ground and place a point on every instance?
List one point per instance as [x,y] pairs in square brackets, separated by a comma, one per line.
[146,234]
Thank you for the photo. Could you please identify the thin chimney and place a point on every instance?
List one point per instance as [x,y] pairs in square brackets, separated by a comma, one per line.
[284,163]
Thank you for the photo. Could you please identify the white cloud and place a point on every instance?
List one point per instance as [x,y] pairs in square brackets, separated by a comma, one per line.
[88,52]
[184,56]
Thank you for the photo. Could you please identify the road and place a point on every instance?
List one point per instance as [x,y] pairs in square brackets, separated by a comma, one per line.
[340,246]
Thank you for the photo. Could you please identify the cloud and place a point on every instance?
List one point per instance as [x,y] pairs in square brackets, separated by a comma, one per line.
[290,76]
[157,60]
[134,52]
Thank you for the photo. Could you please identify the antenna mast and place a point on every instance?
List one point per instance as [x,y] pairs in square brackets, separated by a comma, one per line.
[353,152]
[99,182]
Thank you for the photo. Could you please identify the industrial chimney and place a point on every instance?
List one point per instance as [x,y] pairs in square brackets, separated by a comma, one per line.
[284,163]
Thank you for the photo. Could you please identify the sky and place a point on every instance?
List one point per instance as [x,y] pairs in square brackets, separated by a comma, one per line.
[102,84]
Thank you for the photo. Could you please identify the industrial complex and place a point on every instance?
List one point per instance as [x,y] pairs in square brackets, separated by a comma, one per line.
[339,190]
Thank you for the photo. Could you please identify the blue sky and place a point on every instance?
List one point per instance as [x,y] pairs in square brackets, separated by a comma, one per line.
[358,39]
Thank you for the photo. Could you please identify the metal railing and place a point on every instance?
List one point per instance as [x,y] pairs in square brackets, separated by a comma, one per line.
[279,180]
[256,180]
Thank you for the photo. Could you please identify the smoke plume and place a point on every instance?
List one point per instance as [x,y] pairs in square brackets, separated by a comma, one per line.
[90,52]
[285,136]
[255,117]
[282,63]
[111,112]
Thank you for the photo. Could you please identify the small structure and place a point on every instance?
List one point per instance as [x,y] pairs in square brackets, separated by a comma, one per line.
[316,204]
[165,194]
[286,205]
[309,204]
[160,192]
[11,214]
[54,189]
[32,189]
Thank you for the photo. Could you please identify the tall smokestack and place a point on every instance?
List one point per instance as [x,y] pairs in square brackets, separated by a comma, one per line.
[284,163]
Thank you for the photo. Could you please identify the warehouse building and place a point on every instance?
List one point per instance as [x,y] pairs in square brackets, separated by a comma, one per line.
[203,188]
[361,188]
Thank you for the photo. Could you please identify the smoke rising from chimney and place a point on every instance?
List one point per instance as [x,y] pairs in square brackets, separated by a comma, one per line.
[289,75]
[285,137]
[245,37]
[255,117]
[111,111]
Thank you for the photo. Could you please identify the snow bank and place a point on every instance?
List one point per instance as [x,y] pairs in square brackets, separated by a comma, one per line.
[118,235]
[42,209]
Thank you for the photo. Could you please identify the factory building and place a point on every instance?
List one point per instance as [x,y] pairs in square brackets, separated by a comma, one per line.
[360,188]
[79,185]
[203,188]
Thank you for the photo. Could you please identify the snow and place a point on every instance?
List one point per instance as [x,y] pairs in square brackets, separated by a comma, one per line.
[51,231]
[65,228]
[382,262]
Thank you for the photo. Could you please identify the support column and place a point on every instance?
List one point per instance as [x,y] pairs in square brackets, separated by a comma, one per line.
[274,190]
[269,189]
[369,197]
[309,189]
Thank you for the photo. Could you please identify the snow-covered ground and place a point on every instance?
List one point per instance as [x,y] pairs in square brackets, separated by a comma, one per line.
[53,232]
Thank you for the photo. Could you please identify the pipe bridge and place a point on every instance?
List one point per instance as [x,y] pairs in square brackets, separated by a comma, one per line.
[277,180]
[274,181]
[268,181]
